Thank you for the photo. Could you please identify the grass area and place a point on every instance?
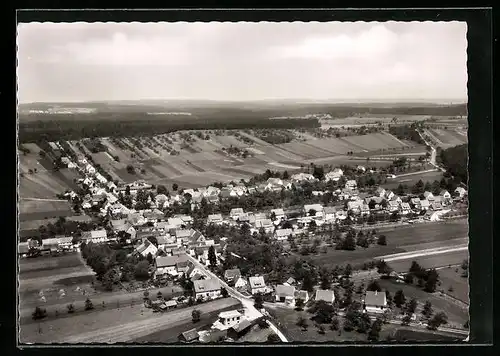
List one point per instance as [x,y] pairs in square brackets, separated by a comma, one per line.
[432,261]
[457,315]
[51,264]
[414,335]
[452,277]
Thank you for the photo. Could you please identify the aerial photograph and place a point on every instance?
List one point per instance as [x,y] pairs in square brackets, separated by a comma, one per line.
[237,183]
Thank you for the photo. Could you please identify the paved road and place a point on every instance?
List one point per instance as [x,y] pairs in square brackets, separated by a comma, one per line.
[247,302]
[433,153]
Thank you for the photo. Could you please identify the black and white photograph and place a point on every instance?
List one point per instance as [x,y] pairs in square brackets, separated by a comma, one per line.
[242,182]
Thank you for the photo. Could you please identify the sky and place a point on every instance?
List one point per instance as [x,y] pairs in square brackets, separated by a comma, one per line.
[336,61]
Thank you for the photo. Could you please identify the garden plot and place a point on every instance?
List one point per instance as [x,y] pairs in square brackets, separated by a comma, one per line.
[167,170]
[40,185]
[304,150]
[180,165]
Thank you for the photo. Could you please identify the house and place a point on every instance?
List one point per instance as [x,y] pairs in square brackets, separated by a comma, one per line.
[429,196]
[282,234]
[154,215]
[290,281]
[445,194]
[318,209]
[236,213]
[424,204]
[265,224]
[165,240]
[231,275]
[302,295]
[361,169]
[237,331]
[175,222]
[215,219]
[341,214]
[160,200]
[436,206]
[375,302]
[168,264]
[146,248]
[23,249]
[389,194]
[278,213]
[302,177]
[351,184]
[95,236]
[227,319]
[364,209]
[393,206]
[257,285]
[207,289]
[405,208]
[330,213]
[183,266]
[380,192]
[355,206]
[415,203]
[227,192]
[325,295]
[285,294]
[334,175]
[240,283]
[460,192]
[189,336]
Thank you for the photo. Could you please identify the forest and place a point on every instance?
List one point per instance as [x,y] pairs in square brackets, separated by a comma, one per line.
[454,159]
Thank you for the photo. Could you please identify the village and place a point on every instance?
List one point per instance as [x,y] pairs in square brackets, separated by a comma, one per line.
[184,237]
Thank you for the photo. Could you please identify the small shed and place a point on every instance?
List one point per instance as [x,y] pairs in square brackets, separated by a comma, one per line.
[189,336]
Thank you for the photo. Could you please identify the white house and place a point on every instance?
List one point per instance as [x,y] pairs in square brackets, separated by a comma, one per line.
[285,294]
[318,208]
[361,169]
[265,224]
[389,194]
[146,247]
[168,264]
[215,219]
[241,283]
[375,302]
[445,194]
[351,184]
[380,192]
[330,213]
[302,177]
[257,285]
[207,288]
[279,213]
[236,213]
[101,178]
[282,234]
[334,175]
[393,206]
[460,192]
[90,169]
[405,208]
[227,319]
[429,196]
[95,236]
[424,204]
[325,295]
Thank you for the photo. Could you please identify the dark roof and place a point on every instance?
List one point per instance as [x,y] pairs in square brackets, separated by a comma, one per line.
[170,260]
[241,326]
[206,285]
[232,273]
[190,335]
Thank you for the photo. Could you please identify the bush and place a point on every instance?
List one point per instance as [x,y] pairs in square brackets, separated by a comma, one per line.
[88,304]
[196,315]
[39,313]
[71,308]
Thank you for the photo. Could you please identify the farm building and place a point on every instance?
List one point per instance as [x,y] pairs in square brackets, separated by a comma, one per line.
[375,302]
[207,289]
[237,331]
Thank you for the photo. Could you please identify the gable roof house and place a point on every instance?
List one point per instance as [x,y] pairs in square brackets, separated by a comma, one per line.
[375,302]
[279,213]
[393,206]
[257,285]
[318,208]
[235,213]
[380,192]
[405,208]
[215,219]
[146,247]
[207,288]
[460,192]
[95,236]
[325,295]
[445,194]
[436,206]
[240,283]
[351,184]
[282,234]
[429,196]
[265,224]
[334,175]
[424,204]
[285,293]
[330,213]
[189,336]
[303,295]
[231,275]
[302,177]
[168,264]
[415,202]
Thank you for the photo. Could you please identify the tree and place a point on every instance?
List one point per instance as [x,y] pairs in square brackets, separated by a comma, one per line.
[374,287]
[299,304]
[258,301]
[212,258]
[130,169]
[347,271]
[335,325]
[88,304]
[318,172]
[363,323]
[427,309]
[438,320]
[406,320]
[302,323]
[382,240]
[224,292]
[321,329]
[411,306]
[161,189]
[196,315]
[159,295]
[39,313]
[325,280]
[308,283]
[399,298]
[150,258]
[175,186]
[409,278]
[141,271]
[375,329]
[273,338]
[383,268]
[432,280]
[262,323]
[71,308]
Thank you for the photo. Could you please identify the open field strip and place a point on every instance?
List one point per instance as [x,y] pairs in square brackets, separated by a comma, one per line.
[333,145]
[459,137]
[447,137]
[257,141]
[285,166]
[429,252]
[33,147]
[416,173]
[41,185]
[404,144]
[305,150]
[352,146]
[115,151]
[230,140]
[433,137]
[129,331]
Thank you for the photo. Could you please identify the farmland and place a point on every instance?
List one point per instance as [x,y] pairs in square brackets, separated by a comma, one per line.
[42,209]
[124,324]
[453,277]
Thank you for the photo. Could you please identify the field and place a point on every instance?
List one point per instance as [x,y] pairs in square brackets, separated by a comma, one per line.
[404,239]
[405,334]
[41,209]
[457,314]
[124,324]
[448,138]
[452,277]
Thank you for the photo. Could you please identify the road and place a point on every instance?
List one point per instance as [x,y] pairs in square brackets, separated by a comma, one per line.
[247,302]
[433,153]
[415,173]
